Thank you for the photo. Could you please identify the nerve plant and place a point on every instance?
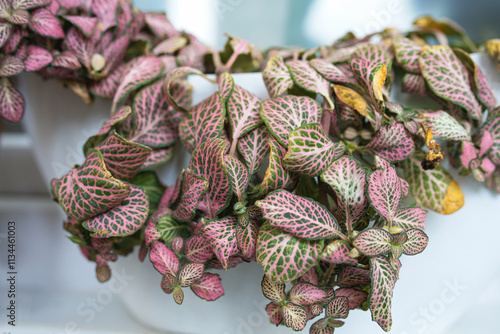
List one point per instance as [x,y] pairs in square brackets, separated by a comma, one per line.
[310,182]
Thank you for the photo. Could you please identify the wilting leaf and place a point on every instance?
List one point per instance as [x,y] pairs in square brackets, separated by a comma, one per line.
[351,98]
[447,77]
[371,76]
[307,78]
[283,256]
[90,190]
[392,142]
[347,179]
[299,216]
[282,115]
[277,76]
[124,219]
[434,188]
[193,188]
[384,278]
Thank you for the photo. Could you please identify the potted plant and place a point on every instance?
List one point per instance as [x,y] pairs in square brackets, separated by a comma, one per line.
[310,182]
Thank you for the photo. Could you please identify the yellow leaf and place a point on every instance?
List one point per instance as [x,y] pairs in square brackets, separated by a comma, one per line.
[351,98]
[378,82]
[453,200]
[493,48]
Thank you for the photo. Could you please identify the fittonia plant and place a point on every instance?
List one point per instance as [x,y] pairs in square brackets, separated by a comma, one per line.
[312,183]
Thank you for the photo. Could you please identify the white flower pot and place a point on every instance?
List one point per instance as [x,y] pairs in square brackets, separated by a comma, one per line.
[435,288]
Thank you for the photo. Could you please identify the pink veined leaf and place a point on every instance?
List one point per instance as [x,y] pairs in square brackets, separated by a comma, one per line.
[114,53]
[124,219]
[125,18]
[277,76]
[178,295]
[274,312]
[310,151]
[384,191]
[232,262]
[206,162]
[480,84]
[306,77]
[152,123]
[283,256]
[337,308]
[374,242]
[384,278]
[85,24]
[158,157]
[493,126]
[469,153]
[198,249]
[407,53]
[321,327]
[274,291]
[151,233]
[143,71]
[123,158]
[203,122]
[373,53]
[243,110]
[310,276]
[237,174]
[172,193]
[90,190]
[11,101]
[486,143]
[330,72]
[353,276]
[5,32]
[182,92]
[299,216]
[276,177]
[171,77]
[170,45]
[294,316]
[103,246]
[488,167]
[117,117]
[371,76]
[307,294]
[10,66]
[392,142]
[177,245]
[444,126]
[46,24]
[28,4]
[163,259]
[193,188]
[79,46]
[208,287]
[416,243]
[284,114]
[168,283]
[169,228]
[107,86]
[70,4]
[190,273]
[221,233]
[160,25]
[254,147]
[408,218]
[414,84]
[447,77]
[247,238]
[37,58]
[53,7]
[19,16]
[337,252]
[226,85]
[347,179]
[106,11]
[355,297]
[14,39]
[66,59]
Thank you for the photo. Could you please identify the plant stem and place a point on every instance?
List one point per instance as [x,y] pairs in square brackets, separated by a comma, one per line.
[327,275]
[326,121]
[232,150]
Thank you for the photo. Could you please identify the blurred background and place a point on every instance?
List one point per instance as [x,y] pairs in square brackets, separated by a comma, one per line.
[306,23]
